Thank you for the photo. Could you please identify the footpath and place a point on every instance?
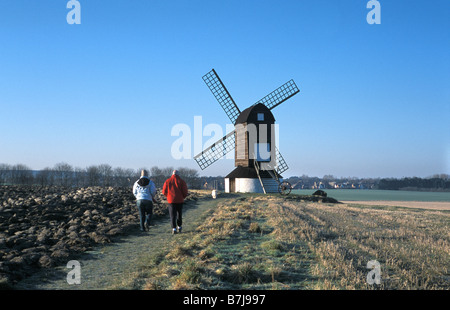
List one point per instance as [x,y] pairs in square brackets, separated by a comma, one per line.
[107,266]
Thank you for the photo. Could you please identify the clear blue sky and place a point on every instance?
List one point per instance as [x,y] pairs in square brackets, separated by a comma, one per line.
[374,99]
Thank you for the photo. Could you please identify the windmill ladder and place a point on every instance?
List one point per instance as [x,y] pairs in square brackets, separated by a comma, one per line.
[274,176]
[259,177]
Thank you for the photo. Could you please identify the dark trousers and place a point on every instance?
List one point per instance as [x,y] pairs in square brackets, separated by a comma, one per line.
[145,208]
[176,216]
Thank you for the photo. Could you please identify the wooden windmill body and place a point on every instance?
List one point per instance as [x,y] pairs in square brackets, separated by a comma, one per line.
[258,162]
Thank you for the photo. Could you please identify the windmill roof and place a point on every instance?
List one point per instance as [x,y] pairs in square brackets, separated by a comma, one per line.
[249,114]
[248,173]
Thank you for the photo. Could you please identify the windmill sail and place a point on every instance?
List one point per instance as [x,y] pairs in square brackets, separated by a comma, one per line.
[222,95]
[280,95]
[216,151]
[281,163]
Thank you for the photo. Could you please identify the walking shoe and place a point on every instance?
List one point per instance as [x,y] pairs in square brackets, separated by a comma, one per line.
[147,227]
[174,231]
[179,229]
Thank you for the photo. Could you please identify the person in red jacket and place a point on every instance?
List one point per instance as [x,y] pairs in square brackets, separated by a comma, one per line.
[175,189]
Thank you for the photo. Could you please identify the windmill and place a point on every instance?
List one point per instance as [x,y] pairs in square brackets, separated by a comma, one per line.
[258,162]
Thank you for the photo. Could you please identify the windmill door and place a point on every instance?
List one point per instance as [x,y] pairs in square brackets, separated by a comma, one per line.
[232,185]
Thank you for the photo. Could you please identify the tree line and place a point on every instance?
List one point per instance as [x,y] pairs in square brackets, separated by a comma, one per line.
[63,174]
[435,183]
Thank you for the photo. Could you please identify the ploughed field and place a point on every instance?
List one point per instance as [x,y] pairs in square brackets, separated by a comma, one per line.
[41,227]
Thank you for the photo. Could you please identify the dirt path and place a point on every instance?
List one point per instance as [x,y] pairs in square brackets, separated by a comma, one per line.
[107,266]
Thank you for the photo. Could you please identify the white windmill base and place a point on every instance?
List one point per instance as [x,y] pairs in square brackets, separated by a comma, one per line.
[252,185]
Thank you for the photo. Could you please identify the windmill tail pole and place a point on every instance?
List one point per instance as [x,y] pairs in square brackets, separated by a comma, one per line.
[259,177]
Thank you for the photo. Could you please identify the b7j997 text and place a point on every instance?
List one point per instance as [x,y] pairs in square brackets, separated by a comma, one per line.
[243,300]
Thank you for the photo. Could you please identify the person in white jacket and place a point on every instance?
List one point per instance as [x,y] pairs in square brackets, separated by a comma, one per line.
[144,190]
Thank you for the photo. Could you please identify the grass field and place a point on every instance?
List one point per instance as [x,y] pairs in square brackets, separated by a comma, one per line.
[384,195]
[276,242]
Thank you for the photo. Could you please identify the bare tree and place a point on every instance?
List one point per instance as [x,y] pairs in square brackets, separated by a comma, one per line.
[63,174]
[79,178]
[106,174]
[21,174]
[123,177]
[155,171]
[45,177]
[156,176]
[92,176]
[190,176]
[159,175]
[167,171]
[5,173]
